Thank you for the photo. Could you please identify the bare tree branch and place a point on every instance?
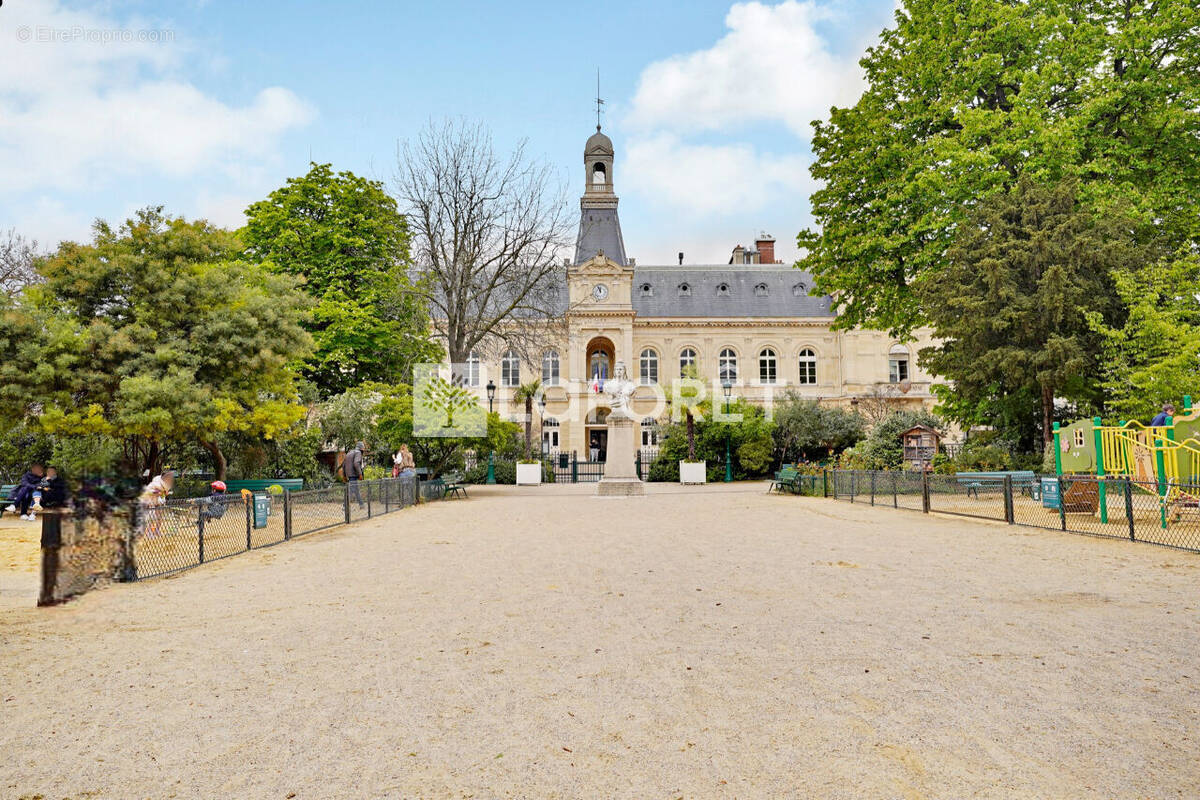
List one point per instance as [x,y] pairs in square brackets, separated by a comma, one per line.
[488,234]
[17,258]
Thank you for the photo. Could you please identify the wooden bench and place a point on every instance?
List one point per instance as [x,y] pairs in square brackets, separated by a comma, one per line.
[1022,479]
[263,484]
[787,479]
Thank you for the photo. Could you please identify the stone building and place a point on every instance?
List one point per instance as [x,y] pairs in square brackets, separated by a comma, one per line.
[750,323]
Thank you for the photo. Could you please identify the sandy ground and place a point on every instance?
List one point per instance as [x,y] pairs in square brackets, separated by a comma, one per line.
[710,642]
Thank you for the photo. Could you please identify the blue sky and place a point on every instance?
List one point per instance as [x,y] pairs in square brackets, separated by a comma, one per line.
[209,105]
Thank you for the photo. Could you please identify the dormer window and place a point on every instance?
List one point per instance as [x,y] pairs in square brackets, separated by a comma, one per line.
[646,290]
[722,290]
[799,290]
[685,290]
[761,290]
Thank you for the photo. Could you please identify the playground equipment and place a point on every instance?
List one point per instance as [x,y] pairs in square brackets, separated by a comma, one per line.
[1162,460]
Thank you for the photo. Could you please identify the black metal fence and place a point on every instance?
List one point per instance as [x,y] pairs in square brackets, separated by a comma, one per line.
[1114,507]
[129,541]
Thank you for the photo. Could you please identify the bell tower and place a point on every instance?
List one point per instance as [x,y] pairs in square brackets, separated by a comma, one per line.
[599,226]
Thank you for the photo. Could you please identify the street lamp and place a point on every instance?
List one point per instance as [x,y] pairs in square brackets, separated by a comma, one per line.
[728,387]
[491,393]
[542,406]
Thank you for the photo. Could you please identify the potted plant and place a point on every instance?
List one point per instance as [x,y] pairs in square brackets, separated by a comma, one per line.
[529,470]
[691,470]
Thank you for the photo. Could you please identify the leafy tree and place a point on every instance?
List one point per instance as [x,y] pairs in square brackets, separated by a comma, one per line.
[750,441]
[349,417]
[154,334]
[807,430]
[965,97]
[1154,357]
[344,237]
[526,393]
[1026,268]
[394,427]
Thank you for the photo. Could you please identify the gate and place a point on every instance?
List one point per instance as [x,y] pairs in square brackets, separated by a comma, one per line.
[569,469]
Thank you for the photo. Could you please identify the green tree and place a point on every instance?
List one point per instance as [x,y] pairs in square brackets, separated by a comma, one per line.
[1011,308]
[394,427]
[750,439]
[526,393]
[806,429]
[1154,357]
[963,98]
[883,448]
[155,334]
[344,237]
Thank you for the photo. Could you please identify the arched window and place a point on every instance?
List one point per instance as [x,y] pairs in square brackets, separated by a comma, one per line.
[510,369]
[898,364]
[766,366]
[722,290]
[550,373]
[649,432]
[761,290]
[599,174]
[687,358]
[685,290]
[727,366]
[598,365]
[799,290]
[649,367]
[471,376]
[808,367]
[550,435]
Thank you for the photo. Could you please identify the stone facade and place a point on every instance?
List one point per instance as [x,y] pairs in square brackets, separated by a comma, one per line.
[753,325]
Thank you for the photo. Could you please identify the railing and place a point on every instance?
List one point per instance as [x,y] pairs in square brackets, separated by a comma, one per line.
[1115,507]
[127,541]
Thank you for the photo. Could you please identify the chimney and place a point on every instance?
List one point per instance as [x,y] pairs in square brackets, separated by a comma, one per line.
[766,248]
[681,259]
[739,255]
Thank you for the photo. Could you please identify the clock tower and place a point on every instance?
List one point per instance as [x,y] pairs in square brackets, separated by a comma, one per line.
[599,226]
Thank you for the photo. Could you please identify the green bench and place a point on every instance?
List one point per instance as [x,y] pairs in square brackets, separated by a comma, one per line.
[452,484]
[262,485]
[787,479]
[1022,479]
[6,492]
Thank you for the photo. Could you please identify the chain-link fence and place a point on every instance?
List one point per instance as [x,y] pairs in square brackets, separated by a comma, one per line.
[1163,513]
[129,541]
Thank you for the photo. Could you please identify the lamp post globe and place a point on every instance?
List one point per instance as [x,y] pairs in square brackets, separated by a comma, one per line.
[491,395]
[727,385]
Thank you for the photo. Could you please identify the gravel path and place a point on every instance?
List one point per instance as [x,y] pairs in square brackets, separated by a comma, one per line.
[701,643]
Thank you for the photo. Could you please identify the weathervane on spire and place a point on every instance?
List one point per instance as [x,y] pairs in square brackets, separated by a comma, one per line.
[599,102]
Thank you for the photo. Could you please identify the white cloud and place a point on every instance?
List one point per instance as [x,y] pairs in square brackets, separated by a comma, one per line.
[707,179]
[81,108]
[772,65]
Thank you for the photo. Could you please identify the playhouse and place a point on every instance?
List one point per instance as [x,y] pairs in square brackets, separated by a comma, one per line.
[1163,460]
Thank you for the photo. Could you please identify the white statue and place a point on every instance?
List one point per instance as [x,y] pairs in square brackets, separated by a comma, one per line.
[619,388]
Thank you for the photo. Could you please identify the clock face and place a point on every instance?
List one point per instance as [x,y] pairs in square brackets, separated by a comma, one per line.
[600,291]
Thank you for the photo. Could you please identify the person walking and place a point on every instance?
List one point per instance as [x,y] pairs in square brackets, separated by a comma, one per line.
[22,496]
[54,505]
[352,468]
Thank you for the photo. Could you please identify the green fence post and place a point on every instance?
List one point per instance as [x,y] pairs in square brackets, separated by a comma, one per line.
[925,504]
[346,501]
[200,527]
[1009,512]
[637,463]
[895,494]
[853,481]
[1062,504]
[872,487]
[249,518]
[574,467]
[1187,404]
[368,498]
[1101,487]
[824,481]
[1057,451]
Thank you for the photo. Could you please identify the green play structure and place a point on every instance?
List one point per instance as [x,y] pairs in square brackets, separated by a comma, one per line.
[1163,460]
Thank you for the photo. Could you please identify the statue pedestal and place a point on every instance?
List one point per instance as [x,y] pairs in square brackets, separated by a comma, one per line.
[620,476]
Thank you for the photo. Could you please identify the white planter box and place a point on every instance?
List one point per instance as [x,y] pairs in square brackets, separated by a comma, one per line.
[692,472]
[529,474]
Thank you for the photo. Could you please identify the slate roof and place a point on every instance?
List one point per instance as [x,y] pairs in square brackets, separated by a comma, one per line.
[599,231]
[752,290]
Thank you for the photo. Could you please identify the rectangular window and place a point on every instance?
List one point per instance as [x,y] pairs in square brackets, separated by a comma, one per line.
[897,370]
